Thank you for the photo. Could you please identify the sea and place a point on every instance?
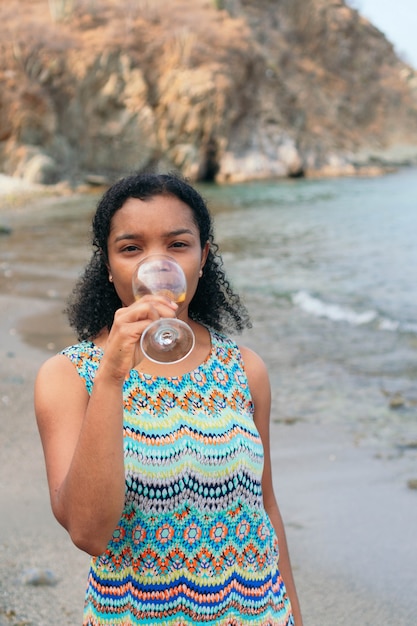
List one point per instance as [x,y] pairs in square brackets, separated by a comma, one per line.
[328,272]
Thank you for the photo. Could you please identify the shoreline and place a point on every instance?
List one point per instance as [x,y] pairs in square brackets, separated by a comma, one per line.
[349,517]
[14,190]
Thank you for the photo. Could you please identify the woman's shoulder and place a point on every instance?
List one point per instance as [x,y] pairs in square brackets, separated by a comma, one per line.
[57,384]
[62,360]
[82,350]
[75,363]
[256,373]
[258,381]
[54,375]
[252,362]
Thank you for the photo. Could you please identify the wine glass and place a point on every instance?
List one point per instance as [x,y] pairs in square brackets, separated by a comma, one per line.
[167,340]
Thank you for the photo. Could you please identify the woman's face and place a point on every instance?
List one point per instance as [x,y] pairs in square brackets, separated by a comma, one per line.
[159,225]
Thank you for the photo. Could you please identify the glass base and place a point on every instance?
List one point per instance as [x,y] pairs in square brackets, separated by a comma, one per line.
[167,341]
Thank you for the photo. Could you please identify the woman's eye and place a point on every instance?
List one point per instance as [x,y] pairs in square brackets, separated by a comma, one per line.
[130,248]
[178,244]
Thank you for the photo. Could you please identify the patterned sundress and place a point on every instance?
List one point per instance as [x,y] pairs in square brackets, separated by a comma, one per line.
[194,544]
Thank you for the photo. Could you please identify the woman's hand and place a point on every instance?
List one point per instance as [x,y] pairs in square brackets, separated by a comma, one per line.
[122,351]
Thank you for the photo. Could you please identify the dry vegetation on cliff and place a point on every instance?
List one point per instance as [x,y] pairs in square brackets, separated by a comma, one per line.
[272,88]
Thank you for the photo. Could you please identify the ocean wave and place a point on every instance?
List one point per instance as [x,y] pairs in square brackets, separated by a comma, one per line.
[319,308]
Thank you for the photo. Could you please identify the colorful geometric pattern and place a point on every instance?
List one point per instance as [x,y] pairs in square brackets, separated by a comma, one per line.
[194,544]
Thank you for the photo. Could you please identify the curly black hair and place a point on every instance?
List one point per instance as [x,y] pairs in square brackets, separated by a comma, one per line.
[94,300]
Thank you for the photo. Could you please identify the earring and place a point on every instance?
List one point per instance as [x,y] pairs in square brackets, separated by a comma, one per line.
[200,273]
[110,278]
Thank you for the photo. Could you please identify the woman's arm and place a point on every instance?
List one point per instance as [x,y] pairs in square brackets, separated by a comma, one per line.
[82,439]
[261,395]
[82,436]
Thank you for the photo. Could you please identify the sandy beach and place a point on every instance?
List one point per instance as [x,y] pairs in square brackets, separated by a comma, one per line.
[350,517]
[349,513]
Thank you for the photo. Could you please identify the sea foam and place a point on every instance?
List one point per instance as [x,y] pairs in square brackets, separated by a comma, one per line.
[319,308]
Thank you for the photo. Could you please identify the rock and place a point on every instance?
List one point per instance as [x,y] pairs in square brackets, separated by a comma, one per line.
[97,180]
[254,91]
[33,166]
[38,577]
[290,156]
[412,483]
[396,401]
[41,169]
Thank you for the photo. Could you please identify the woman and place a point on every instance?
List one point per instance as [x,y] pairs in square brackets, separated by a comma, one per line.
[162,472]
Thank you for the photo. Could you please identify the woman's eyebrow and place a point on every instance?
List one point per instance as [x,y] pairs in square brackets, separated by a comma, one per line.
[180,231]
[171,233]
[127,236]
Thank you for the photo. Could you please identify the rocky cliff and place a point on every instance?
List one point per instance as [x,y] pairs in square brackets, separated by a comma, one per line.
[228,90]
